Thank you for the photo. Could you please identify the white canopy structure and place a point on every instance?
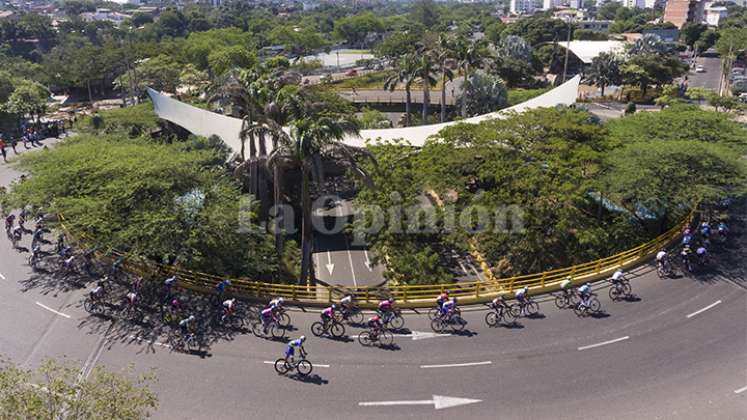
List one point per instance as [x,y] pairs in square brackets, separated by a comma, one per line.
[205,123]
[587,50]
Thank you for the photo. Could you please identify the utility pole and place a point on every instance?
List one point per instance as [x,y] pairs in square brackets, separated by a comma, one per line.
[567,48]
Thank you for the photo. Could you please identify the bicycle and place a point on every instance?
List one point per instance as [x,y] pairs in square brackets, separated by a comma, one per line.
[230,319]
[664,267]
[271,330]
[590,308]
[283,319]
[179,341]
[566,299]
[352,315]
[453,321]
[97,305]
[381,336]
[34,259]
[620,290]
[500,314]
[302,366]
[333,327]
[131,310]
[528,307]
[393,320]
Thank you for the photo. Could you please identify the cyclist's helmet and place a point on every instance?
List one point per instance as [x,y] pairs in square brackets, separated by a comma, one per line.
[334,306]
[281,300]
[391,300]
[302,338]
[587,285]
[526,289]
[191,318]
[228,282]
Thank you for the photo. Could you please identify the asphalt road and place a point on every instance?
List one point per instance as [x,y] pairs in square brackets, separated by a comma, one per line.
[708,79]
[680,352]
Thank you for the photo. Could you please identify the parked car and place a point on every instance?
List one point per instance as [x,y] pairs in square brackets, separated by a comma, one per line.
[743,97]
[351,73]
[699,69]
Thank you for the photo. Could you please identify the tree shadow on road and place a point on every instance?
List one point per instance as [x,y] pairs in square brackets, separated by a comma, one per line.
[308,379]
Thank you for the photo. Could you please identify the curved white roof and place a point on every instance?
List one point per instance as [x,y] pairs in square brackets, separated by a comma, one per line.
[206,123]
[587,50]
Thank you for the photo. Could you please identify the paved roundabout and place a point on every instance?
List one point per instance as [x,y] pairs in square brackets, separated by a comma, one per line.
[680,351]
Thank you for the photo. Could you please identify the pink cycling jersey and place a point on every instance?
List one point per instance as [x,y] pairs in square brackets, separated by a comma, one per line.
[327,312]
[267,313]
[385,305]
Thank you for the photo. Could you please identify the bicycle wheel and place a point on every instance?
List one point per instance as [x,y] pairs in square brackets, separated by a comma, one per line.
[560,301]
[304,367]
[337,330]
[175,341]
[284,320]
[491,318]
[579,310]
[317,329]
[437,325]
[364,338]
[508,316]
[280,366]
[355,317]
[594,305]
[433,313]
[533,308]
[458,323]
[237,322]
[386,338]
[193,344]
[627,290]
[397,322]
[277,331]
[614,293]
[89,306]
[258,329]
[516,310]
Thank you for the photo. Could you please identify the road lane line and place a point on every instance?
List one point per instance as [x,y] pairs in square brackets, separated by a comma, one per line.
[347,249]
[456,365]
[604,343]
[52,310]
[704,309]
[267,362]
[740,390]
[154,343]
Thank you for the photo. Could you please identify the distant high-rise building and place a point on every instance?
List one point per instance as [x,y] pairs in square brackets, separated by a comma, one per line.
[640,4]
[679,12]
[521,7]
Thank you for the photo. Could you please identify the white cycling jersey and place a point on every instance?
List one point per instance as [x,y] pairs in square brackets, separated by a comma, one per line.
[618,275]
[661,255]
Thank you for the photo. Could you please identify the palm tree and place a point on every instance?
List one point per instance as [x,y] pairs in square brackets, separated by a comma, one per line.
[604,70]
[405,70]
[426,72]
[310,138]
[470,55]
[649,44]
[444,54]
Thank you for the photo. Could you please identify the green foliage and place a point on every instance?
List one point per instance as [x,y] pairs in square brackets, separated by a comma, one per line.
[684,122]
[538,28]
[159,201]
[354,29]
[604,71]
[199,45]
[484,93]
[224,59]
[60,394]
[371,118]
[396,45]
[132,120]
[519,95]
[27,98]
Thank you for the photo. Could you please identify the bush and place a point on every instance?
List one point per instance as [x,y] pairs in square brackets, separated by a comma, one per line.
[133,121]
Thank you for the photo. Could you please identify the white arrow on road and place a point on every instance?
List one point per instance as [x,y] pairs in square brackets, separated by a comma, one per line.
[418,335]
[438,402]
[368,261]
[329,265]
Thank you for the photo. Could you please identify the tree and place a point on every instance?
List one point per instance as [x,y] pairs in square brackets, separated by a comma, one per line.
[470,56]
[160,73]
[707,40]
[405,74]
[513,62]
[371,118]
[354,29]
[649,44]
[61,394]
[224,59]
[426,73]
[538,29]
[28,98]
[171,22]
[444,56]
[483,94]
[691,32]
[193,78]
[425,13]
[198,46]
[644,70]
[604,70]
[494,30]
[396,45]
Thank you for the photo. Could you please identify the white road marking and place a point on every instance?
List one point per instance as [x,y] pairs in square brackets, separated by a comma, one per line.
[347,249]
[368,260]
[740,390]
[52,310]
[456,365]
[704,309]
[155,343]
[2,276]
[267,362]
[604,343]
[438,402]
[329,265]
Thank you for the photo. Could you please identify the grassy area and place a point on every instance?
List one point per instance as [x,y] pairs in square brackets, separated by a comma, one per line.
[133,120]
[519,95]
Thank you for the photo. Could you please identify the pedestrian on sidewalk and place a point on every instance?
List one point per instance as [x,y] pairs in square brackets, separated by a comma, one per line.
[13,144]
[2,149]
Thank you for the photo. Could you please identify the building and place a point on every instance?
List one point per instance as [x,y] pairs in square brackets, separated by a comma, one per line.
[679,12]
[104,15]
[602,26]
[712,15]
[630,4]
[521,7]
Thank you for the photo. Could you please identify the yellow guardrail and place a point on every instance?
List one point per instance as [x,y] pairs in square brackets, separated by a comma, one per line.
[407,296]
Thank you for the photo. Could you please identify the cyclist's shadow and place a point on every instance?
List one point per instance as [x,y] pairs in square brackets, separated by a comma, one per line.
[309,379]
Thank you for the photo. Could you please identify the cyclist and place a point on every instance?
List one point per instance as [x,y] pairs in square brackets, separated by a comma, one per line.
[116,264]
[228,306]
[448,308]
[499,302]
[9,222]
[687,238]
[585,293]
[277,303]
[565,286]
[346,303]
[662,260]
[221,287]
[291,349]
[702,254]
[618,277]
[723,230]
[375,325]
[705,229]
[522,295]
[137,284]
[97,293]
[60,244]
[131,296]
[38,236]
[327,314]
[442,298]
[386,308]
[169,284]
[267,315]
[18,232]
[186,325]
[685,254]
[67,263]
[35,252]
